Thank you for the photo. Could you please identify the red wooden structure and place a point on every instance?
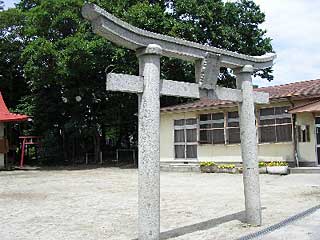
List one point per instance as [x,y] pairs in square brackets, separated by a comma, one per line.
[5,117]
[28,140]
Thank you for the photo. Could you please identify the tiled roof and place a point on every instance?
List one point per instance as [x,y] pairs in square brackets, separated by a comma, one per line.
[313,106]
[309,88]
[199,104]
[6,116]
[299,89]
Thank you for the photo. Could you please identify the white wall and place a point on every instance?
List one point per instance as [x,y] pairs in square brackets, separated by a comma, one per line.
[232,152]
[307,150]
[217,153]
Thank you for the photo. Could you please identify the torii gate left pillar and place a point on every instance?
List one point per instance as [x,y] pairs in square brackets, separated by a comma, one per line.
[149,143]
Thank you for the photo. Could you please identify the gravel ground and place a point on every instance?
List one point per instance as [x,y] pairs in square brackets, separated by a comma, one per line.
[102,204]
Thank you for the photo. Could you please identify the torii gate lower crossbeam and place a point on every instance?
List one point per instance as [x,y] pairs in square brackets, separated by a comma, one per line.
[149,87]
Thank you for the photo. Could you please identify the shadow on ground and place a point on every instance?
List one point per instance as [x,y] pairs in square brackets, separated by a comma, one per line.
[72,167]
[201,226]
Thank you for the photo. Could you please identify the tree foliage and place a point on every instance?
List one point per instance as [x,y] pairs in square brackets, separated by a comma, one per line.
[54,65]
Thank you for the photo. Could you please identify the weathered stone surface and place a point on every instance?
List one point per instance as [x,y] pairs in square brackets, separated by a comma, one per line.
[179,89]
[126,35]
[209,72]
[124,83]
[134,84]
[149,146]
[222,93]
[150,49]
[249,149]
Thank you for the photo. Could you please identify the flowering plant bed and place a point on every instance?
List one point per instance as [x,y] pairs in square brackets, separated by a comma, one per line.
[211,167]
[208,167]
[263,167]
[227,168]
[280,168]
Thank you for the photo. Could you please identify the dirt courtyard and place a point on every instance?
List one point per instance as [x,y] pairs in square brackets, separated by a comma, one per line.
[102,204]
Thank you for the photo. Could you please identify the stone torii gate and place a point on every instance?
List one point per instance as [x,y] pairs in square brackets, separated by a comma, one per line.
[149,47]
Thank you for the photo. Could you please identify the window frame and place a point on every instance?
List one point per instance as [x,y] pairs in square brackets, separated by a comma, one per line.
[303,135]
[185,127]
[227,127]
[213,121]
[275,125]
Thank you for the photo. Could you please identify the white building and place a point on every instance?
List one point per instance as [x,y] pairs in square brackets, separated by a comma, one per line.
[208,130]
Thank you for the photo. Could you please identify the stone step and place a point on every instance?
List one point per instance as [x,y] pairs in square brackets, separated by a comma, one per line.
[176,167]
[298,170]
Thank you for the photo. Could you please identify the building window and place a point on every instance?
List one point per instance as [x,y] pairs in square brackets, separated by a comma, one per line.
[303,133]
[185,138]
[275,125]
[233,128]
[212,128]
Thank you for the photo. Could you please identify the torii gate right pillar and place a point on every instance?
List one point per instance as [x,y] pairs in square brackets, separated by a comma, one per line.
[248,135]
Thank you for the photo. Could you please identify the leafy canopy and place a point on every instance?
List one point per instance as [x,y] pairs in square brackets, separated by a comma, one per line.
[55,65]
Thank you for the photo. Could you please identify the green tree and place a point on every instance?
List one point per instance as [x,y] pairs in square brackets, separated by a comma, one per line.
[53,63]
[231,25]
[12,82]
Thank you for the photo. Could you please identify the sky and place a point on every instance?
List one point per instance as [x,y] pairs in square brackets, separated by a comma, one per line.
[294,27]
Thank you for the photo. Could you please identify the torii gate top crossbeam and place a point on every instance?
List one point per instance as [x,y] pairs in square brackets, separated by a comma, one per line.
[124,34]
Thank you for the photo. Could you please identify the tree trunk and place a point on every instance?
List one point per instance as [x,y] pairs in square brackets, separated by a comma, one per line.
[96,141]
[65,147]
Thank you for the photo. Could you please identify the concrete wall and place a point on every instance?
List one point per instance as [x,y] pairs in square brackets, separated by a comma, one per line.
[232,152]
[221,152]
[307,150]
[1,154]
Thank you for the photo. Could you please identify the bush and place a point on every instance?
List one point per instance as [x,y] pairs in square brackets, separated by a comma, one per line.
[263,164]
[277,163]
[207,164]
[227,166]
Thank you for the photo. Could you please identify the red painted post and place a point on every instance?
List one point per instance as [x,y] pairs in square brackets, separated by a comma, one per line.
[22,152]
